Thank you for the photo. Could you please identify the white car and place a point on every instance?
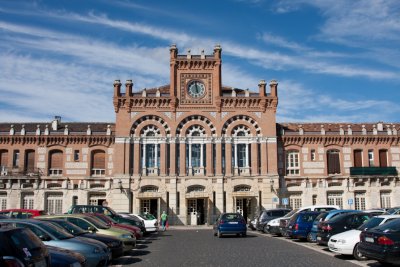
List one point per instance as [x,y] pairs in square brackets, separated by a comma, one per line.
[150,222]
[346,243]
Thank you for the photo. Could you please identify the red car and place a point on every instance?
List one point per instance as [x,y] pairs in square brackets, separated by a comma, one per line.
[22,213]
[109,221]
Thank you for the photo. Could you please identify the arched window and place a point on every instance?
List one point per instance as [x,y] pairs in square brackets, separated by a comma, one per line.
[150,150]
[149,189]
[242,188]
[196,188]
[196,150]
[241,150]
[292,162]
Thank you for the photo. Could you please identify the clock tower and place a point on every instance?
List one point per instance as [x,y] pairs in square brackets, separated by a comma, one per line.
[195,79]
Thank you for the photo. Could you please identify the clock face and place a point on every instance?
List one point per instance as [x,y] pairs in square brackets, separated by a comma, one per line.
[196,89]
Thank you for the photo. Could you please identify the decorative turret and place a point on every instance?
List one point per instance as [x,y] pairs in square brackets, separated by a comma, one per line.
[261,87]
[217,51]
[117,88]
[273,84]
[128,87]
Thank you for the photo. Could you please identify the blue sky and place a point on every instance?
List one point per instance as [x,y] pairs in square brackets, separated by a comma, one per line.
[335,61]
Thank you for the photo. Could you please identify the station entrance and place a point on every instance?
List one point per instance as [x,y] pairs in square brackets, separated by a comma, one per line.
[197,211]
[150,205]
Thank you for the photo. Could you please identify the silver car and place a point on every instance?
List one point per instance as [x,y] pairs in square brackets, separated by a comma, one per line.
[96,253]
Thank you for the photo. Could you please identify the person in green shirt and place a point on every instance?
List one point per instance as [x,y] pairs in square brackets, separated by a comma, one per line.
[164,220]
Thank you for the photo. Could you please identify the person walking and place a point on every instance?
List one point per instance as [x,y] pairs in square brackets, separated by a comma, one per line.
[164,220]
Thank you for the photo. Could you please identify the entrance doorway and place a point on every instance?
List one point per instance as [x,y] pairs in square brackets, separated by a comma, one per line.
[149,206]
[243,206]
[197,211]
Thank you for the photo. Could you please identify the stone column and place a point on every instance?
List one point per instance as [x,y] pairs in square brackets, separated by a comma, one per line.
[182,161]
[254,159]
[228,158]
[163,160]
[136,158]
[144,159]
[172,162]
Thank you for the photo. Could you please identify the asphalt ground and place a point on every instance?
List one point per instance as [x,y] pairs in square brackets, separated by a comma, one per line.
[199,247]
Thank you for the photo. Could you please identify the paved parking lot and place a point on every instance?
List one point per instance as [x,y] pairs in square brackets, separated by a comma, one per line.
[196,246]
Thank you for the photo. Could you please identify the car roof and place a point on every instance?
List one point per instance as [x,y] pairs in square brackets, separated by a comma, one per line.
[388,216]
[23,210]
[29,221]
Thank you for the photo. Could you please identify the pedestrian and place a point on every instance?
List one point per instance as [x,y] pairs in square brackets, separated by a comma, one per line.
[164,220]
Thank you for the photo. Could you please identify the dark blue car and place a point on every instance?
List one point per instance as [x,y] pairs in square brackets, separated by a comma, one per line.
[230,223]
[300,224]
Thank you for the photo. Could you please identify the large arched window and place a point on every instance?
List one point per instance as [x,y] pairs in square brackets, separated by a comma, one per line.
[241,150]
[196,150]
[150,156]
[292,162]
[333,161]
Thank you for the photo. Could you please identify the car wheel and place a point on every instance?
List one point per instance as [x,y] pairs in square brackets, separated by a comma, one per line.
[215,233]
[219,234]
[309,238]
[265,229]
[357,254]
[244,234]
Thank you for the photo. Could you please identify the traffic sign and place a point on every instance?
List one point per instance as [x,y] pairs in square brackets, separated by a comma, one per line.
[350,201]
[285,201]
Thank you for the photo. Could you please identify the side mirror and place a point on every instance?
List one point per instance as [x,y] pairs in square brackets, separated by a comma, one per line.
[45,237]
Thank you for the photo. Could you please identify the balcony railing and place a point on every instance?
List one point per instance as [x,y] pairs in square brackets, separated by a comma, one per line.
[55,172]
[98,172]
[373,171]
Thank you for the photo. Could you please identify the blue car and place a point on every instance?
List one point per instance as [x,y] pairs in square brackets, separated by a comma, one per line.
[312,236]
[300,224]
[230,223]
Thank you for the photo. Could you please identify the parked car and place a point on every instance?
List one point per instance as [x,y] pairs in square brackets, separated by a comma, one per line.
[96,226]
[111,222]
[273,225]
[393,211]
[113,243]
[325,216]
[382,243]
[96,253]
[22,213]
[300,224]
[150,222]
[230,223]
[65,258]
[267,215]
[283,222]
[21,246]
[346,243]
[375,212]
[339,224]
[109,212]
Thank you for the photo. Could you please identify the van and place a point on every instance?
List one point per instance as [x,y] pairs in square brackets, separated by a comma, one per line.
[267,215]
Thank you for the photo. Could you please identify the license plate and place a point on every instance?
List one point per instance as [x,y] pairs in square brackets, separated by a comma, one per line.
[369,239]
[233,222]
[318,238]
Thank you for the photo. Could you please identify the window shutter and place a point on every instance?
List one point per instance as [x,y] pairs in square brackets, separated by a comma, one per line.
[99,160]
[56,160]
[383,158]
[333,162]
[358,158]
[4,158]
[30,161]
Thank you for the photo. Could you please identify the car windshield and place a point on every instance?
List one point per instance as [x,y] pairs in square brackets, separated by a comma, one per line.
[392,226]
[25,239]
[392,211]
[56,231]
[291,213]
[98,223]
[147,216]
[71,228]
[371,223]
[321,217]
[231,217]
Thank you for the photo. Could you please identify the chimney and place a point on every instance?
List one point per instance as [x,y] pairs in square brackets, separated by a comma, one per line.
[173,51]
[56,123]
[217,51]
[261,87]
[273,84]
[128,87]
[117,88]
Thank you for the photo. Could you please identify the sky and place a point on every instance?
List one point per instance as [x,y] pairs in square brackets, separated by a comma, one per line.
[334,60]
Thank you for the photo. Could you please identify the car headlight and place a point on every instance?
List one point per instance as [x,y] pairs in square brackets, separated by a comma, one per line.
[96,250]
[341,241]
[113,244]
[75,264]
[126,236]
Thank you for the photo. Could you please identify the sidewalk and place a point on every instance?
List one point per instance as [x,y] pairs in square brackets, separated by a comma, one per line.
[190,227]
